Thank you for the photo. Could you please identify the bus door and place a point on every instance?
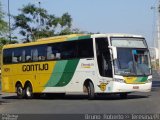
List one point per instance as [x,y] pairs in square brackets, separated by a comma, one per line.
[103,58]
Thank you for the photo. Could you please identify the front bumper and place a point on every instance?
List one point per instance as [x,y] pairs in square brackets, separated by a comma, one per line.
[123,87]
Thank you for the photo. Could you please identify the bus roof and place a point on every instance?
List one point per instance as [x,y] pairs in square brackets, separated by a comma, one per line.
[116,35]
[67,38]
[47,40]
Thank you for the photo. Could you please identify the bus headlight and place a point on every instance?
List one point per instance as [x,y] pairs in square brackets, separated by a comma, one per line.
[118,80]
[149,80]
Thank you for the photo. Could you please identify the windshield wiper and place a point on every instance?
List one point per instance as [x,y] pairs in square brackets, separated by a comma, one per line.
[127,74]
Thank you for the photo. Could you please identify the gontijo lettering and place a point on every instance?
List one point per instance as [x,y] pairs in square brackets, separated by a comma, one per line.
[35,67]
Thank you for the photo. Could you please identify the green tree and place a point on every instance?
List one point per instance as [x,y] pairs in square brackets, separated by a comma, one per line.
[4,30]
[4,41]
[3,24]
[35,22]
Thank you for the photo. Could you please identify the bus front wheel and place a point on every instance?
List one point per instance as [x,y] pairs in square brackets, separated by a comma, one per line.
[91,94]
[29,91]
[19,90]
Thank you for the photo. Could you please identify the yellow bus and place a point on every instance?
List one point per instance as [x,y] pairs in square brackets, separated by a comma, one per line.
[98,63]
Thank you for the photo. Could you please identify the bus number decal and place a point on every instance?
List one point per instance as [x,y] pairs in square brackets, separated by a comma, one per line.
[7,69]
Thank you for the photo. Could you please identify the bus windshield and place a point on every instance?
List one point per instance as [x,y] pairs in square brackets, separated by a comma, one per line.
[132,61]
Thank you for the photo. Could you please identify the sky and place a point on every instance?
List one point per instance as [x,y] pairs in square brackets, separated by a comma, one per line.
[104,16]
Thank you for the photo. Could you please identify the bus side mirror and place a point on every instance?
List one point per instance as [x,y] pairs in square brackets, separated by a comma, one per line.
[113,51]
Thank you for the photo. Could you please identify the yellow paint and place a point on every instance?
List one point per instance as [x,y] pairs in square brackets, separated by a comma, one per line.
[38,78]
[130,80]
[5,84]
[86,67]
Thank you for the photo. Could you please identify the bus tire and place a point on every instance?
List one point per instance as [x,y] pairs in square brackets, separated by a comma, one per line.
[91,94]
[20,91]
[123,95]
[28,91]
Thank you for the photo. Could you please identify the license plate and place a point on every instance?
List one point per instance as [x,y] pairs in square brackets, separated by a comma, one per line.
[135,87]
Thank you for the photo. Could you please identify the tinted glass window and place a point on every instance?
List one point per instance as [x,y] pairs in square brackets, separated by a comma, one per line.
[85,49]
[65,50]
[103,57]
[41,52]
[27,54]
[69,50]
[34,53]
[55,51]
[17,55]
[7,56]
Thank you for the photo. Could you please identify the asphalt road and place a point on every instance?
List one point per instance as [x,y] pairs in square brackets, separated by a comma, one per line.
[136,103]
[79,104]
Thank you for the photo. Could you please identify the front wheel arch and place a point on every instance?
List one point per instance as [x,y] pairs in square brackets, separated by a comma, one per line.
[88,87]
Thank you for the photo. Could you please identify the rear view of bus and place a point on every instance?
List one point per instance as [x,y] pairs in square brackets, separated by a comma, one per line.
[130,63]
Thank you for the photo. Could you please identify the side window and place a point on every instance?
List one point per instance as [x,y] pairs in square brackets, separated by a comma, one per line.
[65,50]
[85,48]
[103,57]
[23,55]
[34,54]
[53,52]
[41,52]
[69,50]
[7,56]
[17,55]
[27,54]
